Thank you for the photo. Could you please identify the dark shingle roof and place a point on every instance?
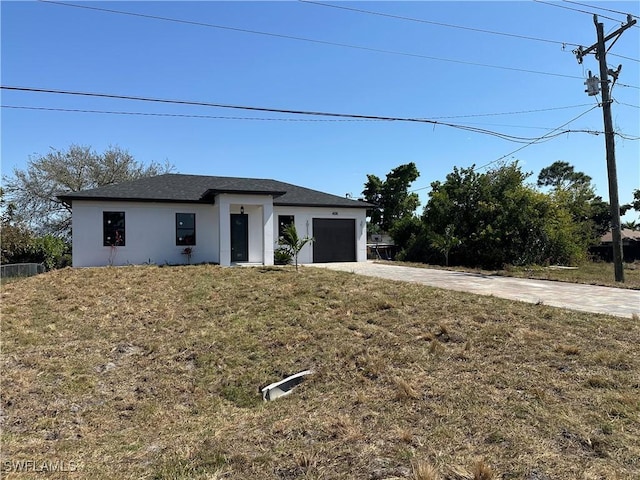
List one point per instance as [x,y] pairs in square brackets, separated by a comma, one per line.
[173,187]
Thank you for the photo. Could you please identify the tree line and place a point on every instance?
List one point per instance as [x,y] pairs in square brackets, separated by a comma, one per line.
[493,218]
[482,219]
[35,224]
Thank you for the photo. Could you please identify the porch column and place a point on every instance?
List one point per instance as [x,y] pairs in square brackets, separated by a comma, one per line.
[267,232]
[225,231]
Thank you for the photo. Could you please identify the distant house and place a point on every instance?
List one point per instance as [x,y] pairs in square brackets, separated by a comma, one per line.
[630,246]
[175,218]
[381,246]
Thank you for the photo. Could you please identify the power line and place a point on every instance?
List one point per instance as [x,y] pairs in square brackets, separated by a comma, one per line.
[322,42]
[600,8]
[541,139]
[514,113]
[449,25]
[473,29]
[180,115]
[626,137]
[545,138]
[511,138]
[441,24]
[573,9]
[220,117]
[622,56]
[626,104]
[538,140]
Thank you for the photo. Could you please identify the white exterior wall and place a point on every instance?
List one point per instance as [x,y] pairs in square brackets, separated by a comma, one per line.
[303,219]
[150,230]
[150,233]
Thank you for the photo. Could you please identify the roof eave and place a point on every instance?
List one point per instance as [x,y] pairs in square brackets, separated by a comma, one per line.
[68,199]
[316,204]
[212,192]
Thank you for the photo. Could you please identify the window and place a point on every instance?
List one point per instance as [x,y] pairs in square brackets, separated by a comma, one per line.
[283,222]
[185,228]
[113,229]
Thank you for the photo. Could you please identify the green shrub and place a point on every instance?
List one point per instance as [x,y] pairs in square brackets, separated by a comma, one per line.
[50,250]
[282,256]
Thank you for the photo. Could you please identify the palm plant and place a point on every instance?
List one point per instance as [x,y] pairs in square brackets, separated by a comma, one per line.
[292,243]
[444,243]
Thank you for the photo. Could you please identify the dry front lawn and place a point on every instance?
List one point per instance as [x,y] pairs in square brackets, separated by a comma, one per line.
[153,373]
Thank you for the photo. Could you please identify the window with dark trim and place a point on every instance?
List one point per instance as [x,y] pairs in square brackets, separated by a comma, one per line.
[113,233]
[185,228]
[283,222]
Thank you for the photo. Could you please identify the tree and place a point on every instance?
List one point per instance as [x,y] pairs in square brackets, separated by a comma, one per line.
[16,241]
[561,175]
[498,220]
[292,243]
[32,191]
[574,192]
[444,243]
[17,244]
[373,194]
[391,196]
[634,205]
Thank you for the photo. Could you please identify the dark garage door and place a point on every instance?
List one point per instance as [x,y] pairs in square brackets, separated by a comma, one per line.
[335,240]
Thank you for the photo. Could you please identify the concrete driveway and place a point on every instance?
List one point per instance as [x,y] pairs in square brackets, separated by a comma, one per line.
[587,298]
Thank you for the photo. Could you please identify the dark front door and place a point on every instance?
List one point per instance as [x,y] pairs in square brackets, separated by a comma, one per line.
[239,238]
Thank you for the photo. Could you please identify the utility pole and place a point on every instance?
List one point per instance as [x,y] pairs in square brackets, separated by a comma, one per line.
[614,202]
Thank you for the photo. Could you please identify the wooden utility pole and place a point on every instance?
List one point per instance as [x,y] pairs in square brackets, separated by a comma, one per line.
[614,202]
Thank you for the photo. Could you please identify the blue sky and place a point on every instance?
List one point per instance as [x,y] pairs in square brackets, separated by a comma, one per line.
[51,46]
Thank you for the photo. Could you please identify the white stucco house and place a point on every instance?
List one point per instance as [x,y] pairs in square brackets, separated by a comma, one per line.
[176,219]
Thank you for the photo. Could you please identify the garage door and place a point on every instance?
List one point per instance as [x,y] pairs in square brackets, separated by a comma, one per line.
[335,240]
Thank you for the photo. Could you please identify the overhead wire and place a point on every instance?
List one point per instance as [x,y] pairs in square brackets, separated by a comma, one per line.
[513,113]
[441,24]
[625,104]
[623,57]
[574,9]
[185,115]
[449,25]
[58,109]
[538,140]
[600,8]
[226,117]
[322,42]
[511,138]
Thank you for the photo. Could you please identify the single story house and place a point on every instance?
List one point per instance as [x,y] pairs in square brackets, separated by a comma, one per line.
[630,246]
[176,219]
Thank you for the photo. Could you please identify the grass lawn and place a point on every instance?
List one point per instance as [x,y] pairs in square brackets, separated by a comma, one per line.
[153,373]
[590,273]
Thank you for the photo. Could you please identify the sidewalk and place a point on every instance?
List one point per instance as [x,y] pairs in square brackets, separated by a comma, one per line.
[587,298]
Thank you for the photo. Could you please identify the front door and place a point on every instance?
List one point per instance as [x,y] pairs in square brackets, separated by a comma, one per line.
[239,237]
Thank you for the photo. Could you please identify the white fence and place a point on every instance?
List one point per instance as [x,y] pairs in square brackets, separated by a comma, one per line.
[21,269]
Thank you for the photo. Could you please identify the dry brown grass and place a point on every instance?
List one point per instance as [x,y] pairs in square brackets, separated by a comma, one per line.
[153,373]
